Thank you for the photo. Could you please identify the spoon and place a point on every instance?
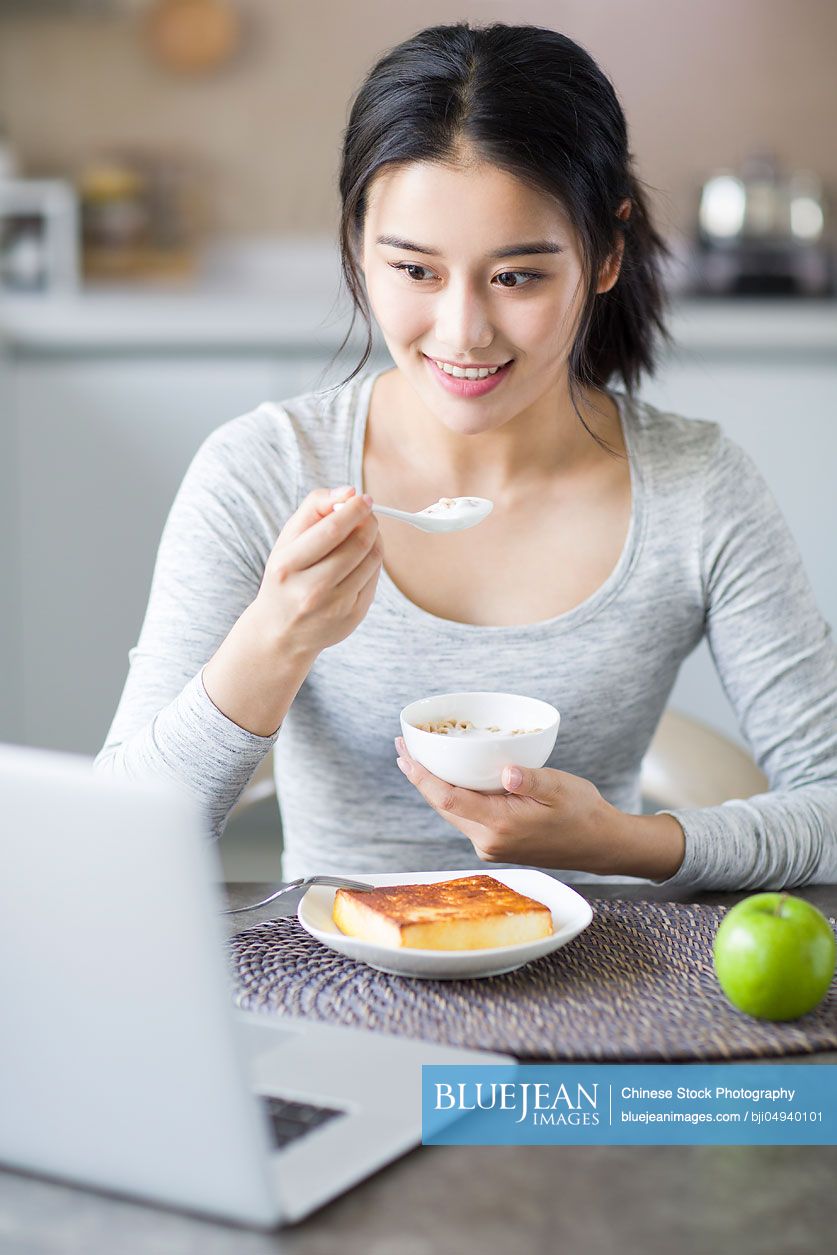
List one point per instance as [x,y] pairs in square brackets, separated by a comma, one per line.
[448,514]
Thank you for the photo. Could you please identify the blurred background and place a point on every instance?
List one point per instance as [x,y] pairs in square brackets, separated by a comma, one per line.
[168,207]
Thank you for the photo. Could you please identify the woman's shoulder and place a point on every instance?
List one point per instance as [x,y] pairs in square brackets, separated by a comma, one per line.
[305,417]
[282,448]
[694,457]
[671,438]
[258,466]
[675,446]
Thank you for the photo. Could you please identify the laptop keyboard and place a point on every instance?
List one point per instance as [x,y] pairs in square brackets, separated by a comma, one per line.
[290,1120]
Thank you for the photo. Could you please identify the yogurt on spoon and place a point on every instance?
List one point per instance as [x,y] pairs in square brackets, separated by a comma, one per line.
[448,514]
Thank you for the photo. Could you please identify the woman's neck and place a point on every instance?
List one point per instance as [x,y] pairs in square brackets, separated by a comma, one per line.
[541,443]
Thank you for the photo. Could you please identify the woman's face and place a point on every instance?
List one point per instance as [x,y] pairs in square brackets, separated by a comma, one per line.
[452,278]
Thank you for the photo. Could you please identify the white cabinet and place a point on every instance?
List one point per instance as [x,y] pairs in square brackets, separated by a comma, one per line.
[98,446]
[10,692]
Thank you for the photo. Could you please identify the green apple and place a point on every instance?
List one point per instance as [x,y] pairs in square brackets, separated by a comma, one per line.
[774,956]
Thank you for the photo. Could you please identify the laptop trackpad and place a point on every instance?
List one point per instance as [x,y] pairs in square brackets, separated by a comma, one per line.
[258,1039]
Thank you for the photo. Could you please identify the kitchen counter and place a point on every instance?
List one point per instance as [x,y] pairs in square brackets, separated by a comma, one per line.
[286,297]
[476,1200]
[98,321]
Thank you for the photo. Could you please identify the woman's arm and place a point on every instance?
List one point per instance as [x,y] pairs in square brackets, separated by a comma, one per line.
[778,665]
[255,609]
[207,572]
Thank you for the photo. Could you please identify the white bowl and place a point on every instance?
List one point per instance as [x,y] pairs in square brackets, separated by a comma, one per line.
[570,915]
[476,760]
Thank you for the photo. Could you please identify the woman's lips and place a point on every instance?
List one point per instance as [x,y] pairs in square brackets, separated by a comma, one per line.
[469,387]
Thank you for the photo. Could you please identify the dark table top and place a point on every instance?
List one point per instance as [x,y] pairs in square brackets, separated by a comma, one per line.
[478,1200]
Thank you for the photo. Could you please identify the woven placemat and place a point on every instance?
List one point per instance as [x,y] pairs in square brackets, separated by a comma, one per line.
[637,984]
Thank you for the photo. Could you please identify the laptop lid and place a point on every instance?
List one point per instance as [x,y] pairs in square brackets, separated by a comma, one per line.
[118,1059]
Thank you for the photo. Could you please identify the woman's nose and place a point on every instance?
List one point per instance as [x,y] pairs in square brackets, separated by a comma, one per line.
[462,321]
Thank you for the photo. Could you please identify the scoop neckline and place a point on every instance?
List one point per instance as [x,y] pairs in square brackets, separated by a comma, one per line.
[389,593]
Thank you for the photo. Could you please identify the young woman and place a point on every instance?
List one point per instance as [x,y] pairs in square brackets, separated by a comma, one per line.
[492,224]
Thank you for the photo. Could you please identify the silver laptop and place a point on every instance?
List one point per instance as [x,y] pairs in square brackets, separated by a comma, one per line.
[123,1063]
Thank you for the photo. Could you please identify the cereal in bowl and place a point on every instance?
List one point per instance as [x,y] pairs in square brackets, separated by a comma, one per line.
[462,727]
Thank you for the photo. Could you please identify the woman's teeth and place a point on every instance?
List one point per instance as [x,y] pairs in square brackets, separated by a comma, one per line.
[470,372]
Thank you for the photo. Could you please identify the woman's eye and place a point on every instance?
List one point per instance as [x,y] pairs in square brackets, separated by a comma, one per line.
[409,268]
[514,275]
[508,278]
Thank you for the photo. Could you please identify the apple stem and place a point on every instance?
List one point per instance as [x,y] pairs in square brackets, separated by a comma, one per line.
[783,897]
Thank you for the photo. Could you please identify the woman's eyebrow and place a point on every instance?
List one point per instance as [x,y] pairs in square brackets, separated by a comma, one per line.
[530,249]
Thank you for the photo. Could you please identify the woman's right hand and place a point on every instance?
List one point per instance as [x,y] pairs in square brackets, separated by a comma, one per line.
[320,577]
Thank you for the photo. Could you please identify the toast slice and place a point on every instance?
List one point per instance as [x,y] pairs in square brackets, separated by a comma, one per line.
[470,913]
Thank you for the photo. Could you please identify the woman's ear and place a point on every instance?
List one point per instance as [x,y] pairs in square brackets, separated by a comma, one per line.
[609,272]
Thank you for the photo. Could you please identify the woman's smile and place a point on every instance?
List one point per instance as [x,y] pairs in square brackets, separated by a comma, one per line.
[468,381]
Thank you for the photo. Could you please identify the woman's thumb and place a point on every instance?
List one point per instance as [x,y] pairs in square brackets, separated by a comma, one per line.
[526,781]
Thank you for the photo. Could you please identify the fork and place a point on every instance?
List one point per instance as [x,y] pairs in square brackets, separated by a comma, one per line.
[340,881]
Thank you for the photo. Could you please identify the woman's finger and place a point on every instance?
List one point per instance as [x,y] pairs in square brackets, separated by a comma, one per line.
[343,561]
[353,584]
[446,799]
[325,538]
[317,505]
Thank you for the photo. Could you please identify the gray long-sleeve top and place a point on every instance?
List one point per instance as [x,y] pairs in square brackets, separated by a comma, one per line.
[707,552]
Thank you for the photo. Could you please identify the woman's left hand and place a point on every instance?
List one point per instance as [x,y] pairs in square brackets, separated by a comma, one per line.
[548,818]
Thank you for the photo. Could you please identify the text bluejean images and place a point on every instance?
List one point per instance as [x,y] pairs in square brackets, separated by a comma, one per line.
[630,1104]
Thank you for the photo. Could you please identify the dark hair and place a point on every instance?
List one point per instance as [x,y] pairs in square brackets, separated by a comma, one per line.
[532,102]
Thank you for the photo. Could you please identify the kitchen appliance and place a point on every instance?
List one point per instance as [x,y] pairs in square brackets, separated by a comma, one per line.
[39,232]
[139,216]
[763,232]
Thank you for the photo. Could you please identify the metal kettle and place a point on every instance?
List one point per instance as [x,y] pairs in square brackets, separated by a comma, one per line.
[762,231]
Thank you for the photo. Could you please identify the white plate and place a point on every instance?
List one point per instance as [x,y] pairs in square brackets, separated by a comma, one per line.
[570,915]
